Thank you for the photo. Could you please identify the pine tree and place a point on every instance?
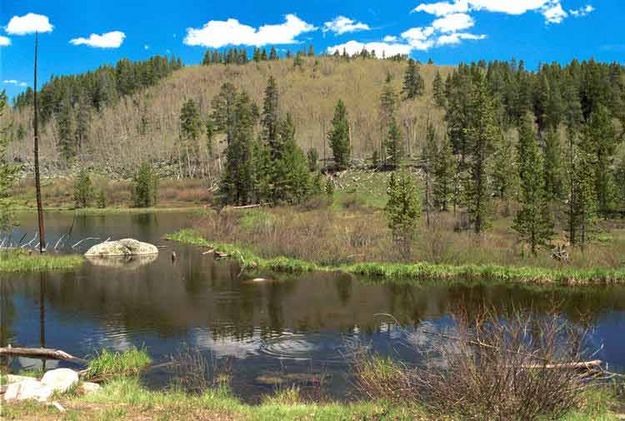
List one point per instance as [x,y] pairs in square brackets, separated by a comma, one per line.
[238,179]
[601,141]
[223,114]
[270,118]
[438,89]
[403,210]
[444,171]
[533,221]
[65,131]
[581,198]
[83,190]
[273,54]
[554,183]
[428,162]
[145,187]
[313,159]
[414,85]
[291,176]
[8,171]
[394,145]
[190,131]
[481,135]
[502,167]
[339,137]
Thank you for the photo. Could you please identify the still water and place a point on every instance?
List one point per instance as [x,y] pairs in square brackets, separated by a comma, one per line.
[302,331]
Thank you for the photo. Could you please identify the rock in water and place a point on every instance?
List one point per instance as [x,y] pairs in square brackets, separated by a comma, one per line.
[124,248]
[28,389]
[60,380]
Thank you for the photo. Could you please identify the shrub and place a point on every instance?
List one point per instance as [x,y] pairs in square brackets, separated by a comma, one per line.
[145,187]
[100,199]
[489,368]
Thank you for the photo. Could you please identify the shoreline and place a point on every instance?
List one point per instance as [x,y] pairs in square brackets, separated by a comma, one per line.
[416,271]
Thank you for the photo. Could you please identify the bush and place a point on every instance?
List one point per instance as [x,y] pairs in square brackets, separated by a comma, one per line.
[489,368]
[83,190]
[145,187]
[100,199]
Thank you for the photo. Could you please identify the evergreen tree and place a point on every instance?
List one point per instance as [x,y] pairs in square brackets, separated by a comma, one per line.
[394,145]
[339,136]
[190,131]
[502,169]
[481,135]
[403,210]
[444,171]
[273,54]
[145,187]
[65,131]
[311,50]
[428,162]
[533,221]
[313,159]
[8,171]
[414,85]
[554,183]
[601,142]
[438,89]
[291,176]
[83,190]
[270,118]
[223,114]
[238,179]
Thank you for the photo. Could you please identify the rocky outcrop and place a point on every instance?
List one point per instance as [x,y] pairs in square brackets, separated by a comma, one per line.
[122,248]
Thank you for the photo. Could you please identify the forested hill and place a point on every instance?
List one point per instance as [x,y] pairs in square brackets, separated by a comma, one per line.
[143,123]
[115,117]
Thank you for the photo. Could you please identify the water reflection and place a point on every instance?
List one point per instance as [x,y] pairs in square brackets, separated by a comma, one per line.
[311,324]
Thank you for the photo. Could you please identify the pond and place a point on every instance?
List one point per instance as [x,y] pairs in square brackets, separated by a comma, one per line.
[302,330]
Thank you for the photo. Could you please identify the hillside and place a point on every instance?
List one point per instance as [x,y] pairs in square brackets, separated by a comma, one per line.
[145,125]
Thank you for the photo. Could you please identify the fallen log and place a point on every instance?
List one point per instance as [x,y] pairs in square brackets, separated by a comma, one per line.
[51,354]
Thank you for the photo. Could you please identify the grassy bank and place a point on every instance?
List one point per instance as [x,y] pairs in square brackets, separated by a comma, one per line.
[127,399]
[418,271]
[21,261]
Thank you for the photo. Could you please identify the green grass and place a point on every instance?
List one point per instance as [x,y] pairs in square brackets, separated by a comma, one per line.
[125,398]
[421,271]
[108,365]
[21,261]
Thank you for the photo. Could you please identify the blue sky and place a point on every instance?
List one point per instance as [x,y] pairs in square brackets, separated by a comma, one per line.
[78,35]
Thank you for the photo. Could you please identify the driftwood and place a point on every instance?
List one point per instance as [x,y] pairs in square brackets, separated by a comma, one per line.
[587,365]
[51,354]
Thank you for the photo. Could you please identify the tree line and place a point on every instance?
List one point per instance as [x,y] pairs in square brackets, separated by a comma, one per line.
[551,141]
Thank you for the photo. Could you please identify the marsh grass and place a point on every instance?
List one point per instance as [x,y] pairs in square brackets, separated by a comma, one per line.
[417,271]
[108,365]
[23,261]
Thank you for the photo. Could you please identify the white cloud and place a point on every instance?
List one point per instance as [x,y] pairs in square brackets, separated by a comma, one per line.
[457,38]
[217,34]
[554,13]
[112,39]
[4,41]
[454,22]
[552,10]
[29,24]
[344,25]
[15,82]
[390,38]
[381,48]
[419,38]
[583,11]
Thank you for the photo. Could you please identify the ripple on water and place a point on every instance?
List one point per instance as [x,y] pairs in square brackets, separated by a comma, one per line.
[318,347]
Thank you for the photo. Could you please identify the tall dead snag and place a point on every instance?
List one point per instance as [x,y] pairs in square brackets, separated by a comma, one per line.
[42,230]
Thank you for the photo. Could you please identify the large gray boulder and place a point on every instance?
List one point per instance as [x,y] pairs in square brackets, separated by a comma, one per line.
[28,389]
[60,380]
[122,248]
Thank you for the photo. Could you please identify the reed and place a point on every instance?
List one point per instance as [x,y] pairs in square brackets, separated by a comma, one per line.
[21,261]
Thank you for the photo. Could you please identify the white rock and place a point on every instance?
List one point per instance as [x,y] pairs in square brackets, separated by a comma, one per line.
[60,380]
[28,389]
[13,378]
[89,387]
[125,247]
